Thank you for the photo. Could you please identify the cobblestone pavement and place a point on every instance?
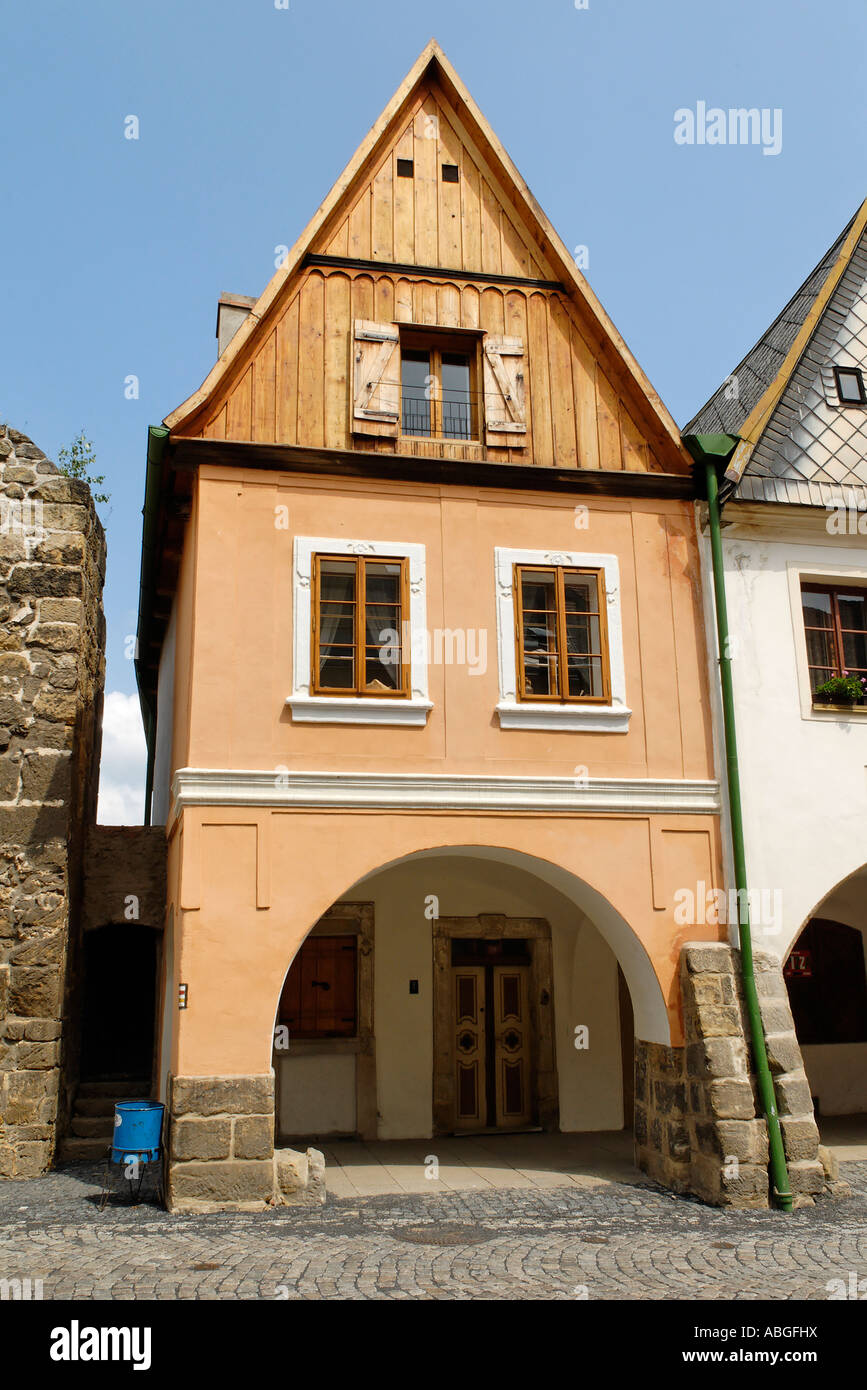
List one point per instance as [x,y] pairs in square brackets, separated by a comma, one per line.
[619,1240]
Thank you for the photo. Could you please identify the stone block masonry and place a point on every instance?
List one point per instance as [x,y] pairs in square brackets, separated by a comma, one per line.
[698,1123]
[221,1154]
[52,637]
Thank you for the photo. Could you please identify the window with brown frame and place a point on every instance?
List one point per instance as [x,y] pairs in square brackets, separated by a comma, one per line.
[561,634]
[320,995]
[835,623]
[439,389]
[359,609]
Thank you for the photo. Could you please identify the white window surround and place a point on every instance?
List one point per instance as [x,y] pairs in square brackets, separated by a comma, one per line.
[799,574]
[528,714]
[355,709]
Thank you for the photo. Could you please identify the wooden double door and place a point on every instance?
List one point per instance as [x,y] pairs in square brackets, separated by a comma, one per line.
[492,1041]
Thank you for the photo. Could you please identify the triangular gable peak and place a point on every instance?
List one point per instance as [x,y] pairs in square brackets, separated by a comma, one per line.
[814,444]
[799,441]
[432,227]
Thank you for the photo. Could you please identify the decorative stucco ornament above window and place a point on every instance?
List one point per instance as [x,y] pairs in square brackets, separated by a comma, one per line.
[310,708]
[610,716]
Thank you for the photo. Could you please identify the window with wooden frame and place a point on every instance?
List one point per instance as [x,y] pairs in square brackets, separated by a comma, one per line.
[360,615]
[561,636]
[320,995]
[439,386]
[835,624]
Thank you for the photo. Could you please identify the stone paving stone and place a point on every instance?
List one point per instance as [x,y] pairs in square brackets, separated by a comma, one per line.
[620,1240]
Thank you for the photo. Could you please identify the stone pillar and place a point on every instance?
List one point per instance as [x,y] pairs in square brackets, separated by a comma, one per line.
[220,1149]
[698,1124]
[221,1143]
[52,634]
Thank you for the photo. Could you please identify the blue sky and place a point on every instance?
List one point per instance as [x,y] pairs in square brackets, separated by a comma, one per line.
[115,251]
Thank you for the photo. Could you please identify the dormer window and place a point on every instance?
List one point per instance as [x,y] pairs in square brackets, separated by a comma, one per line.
[850,385]
[439,396]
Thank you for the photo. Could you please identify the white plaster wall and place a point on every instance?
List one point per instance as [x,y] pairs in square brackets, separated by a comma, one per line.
[316,1094]
[585,988]
[803,779]
[161,798]
[837,1073]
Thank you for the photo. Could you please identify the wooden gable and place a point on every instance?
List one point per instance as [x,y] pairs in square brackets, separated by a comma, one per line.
[404,243]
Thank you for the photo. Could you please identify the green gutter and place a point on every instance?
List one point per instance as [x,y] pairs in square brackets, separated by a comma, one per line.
[157,436]
[709,449]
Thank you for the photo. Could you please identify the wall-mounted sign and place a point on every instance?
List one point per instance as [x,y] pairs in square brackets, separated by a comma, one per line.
[799,966]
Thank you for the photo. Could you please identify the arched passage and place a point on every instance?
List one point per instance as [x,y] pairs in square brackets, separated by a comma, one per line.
[373,1058]
[826,977]
[119,1011]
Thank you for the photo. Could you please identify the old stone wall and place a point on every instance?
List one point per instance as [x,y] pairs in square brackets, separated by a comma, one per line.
[52,637]
[698,1123]
[124,875]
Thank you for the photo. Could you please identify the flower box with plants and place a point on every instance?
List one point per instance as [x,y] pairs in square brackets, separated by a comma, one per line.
[842,690]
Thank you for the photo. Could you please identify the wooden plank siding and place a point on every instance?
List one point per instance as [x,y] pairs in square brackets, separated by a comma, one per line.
[293,382]
[297,389]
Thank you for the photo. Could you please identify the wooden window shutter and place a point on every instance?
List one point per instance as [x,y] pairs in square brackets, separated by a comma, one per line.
[505,412]
[376,383]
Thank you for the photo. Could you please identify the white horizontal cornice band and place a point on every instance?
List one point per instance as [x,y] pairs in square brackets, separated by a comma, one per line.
[418,792]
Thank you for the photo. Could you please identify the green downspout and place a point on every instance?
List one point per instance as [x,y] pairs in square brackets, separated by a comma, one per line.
[709,449]
[157,436]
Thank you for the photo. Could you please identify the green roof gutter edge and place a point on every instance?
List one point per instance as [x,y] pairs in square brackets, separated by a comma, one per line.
[711,450]
[157,438]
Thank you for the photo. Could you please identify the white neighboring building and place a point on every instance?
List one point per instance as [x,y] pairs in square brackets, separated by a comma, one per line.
[795,546]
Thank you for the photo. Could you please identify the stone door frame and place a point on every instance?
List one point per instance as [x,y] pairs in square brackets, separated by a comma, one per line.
[536,930]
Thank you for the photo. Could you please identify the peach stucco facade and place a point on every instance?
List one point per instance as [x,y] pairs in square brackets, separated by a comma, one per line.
[475,808]
[247,883]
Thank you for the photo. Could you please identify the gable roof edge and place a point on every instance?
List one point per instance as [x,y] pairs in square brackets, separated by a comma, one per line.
[753,427]
[433,57]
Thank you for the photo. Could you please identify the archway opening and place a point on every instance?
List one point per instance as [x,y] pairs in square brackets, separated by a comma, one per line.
[120,972]
[463,990]
[826,977]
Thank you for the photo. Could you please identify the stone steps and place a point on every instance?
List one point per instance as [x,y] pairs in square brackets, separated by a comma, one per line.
[94,1105]
[114,1090]
[92,1123]
[73,1150]
[92,1126]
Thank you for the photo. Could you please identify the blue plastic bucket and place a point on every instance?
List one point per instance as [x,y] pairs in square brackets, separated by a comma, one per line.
[138,1126]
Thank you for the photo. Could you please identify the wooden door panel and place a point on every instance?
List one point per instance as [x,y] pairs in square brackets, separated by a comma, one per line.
[468,994]
[512,1047]
[320,995]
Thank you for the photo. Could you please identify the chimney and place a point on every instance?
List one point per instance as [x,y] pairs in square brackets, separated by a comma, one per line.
[232,309]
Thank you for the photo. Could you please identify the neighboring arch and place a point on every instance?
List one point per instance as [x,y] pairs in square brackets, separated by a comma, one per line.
[825,975]
[824,906]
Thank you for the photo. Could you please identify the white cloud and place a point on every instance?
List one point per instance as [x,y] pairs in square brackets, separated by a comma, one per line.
[124,762]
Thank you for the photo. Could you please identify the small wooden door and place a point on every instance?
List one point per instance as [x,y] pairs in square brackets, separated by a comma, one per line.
[319,997]
[468,985]
[511,1047]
